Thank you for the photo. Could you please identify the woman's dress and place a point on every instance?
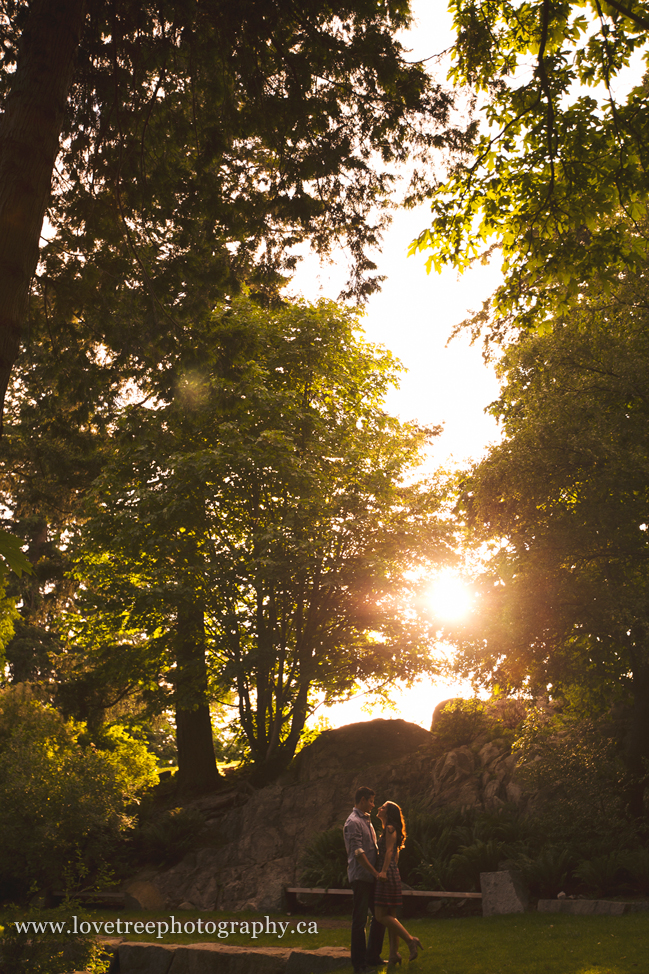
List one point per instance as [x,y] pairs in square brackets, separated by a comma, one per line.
[388,892]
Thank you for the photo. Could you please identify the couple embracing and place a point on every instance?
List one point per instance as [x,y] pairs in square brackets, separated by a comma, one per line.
[373,874]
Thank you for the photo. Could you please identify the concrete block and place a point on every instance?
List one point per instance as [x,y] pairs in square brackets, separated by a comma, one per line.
[610,908]
[503,892]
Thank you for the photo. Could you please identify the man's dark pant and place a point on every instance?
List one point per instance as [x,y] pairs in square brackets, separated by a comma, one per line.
[364,900]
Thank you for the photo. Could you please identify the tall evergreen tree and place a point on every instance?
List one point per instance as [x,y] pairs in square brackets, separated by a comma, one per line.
[199,142]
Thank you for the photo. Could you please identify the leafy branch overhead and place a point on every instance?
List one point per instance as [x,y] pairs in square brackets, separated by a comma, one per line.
[198,146]
[559,175]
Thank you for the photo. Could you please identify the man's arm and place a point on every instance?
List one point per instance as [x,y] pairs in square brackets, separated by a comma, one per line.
[353,837]
[364,861]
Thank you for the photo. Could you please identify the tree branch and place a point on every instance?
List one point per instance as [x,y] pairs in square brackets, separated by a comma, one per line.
[637,19]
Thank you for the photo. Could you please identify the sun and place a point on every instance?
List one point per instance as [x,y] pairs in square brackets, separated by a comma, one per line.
[450,598]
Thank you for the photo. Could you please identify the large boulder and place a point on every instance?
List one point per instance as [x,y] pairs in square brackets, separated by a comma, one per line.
[143,895]
[254,840]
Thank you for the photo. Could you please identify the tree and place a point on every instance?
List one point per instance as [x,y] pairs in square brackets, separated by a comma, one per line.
[32,119]
[559,175]
[200,142]
[258,532]
[563,505]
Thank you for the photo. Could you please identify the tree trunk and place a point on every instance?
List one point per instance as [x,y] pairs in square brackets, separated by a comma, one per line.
[637,742]
[30,129]
[197,771]
[279,757]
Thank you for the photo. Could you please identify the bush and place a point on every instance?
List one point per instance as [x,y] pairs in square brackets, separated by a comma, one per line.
[169,837]
[324,864]
[430,843]
[48,953]
[636,865]
[549,872]
[575,767]
[448,849]
[458,724]
[437,873]
[480,857]
[63,804]
[603,875]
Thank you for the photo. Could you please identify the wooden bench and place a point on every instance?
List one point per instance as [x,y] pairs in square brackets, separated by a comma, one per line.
[291,894]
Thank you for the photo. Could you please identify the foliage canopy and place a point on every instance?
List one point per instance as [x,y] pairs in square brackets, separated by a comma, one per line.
[270,495]
[562,505]
[200,144]
[559,175]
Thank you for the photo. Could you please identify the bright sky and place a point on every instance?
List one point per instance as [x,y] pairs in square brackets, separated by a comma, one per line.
[413,316]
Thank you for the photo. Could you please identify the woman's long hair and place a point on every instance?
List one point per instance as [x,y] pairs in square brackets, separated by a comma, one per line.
[395,818]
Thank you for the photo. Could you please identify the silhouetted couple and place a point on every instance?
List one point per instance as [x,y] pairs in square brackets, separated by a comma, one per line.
[373,872]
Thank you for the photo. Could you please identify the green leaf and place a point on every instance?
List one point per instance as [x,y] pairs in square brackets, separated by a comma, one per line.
[11,551]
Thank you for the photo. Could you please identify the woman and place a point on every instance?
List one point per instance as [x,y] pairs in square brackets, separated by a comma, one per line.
[387,889]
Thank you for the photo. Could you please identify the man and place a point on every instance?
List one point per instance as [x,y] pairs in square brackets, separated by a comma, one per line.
[362,852]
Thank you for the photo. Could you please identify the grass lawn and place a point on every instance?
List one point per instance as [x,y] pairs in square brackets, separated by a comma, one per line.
[530,943]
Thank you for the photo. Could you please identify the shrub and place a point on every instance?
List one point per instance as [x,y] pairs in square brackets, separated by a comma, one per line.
[431,841]
[549,872]
[169,837]
[602,875]
[458,724]
[63,804]
[480,857]
[48,953]
[438,874]
[324,864]
[574,765]
[434,838]
[636,864]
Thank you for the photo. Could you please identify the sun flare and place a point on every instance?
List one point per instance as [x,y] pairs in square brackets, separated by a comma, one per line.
[450,598]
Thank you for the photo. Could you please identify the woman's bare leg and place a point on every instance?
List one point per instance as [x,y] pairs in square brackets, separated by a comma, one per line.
[395,928]
[394,943]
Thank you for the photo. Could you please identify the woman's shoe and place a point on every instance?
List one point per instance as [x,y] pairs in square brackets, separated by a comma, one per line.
[415,947]
[394,959]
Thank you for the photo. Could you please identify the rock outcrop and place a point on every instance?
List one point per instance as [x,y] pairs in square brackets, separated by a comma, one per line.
[253,841]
